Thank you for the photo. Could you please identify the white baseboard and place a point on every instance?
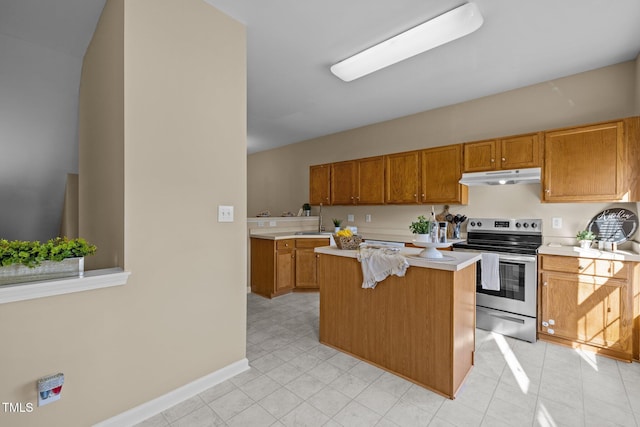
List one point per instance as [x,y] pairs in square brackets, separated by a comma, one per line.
[149,409]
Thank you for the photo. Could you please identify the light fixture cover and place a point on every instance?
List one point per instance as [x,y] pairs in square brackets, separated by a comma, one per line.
[440,30]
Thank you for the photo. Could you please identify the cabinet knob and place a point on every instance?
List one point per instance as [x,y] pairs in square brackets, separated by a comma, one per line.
[357,197]
[544,284]
[546,190]
[493,160]
[286,244]
[580,267]
[503,159]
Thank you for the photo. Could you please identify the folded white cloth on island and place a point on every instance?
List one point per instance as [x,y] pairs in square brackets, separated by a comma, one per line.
[378,264]
[490,265]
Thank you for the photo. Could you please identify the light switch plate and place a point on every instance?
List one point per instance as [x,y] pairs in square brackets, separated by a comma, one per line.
[556,222]
[225,213]
[350,218]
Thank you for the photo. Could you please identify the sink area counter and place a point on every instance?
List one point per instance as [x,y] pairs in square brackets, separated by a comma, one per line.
[283,235]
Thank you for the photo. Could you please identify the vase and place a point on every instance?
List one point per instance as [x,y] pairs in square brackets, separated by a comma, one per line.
[47,270]
[585,244]
[336,229]
[423,238]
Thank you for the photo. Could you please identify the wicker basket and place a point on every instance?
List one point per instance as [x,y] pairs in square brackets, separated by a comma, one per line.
[344,242]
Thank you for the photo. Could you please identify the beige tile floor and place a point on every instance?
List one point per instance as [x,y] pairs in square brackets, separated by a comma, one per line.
[296,381]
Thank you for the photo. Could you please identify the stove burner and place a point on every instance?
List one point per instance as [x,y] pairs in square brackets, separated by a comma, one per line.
[516,236]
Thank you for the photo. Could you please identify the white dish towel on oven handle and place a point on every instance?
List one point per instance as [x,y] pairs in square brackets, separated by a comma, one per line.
[490,279]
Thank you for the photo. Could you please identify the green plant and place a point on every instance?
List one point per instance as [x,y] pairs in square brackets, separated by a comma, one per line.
[422,226]
[32,253]
[337,222]
[585,235]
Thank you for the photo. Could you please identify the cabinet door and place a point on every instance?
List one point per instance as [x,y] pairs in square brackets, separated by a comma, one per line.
[441,170]
[306,269]
[480,156]
[587,309]
[319,184]
[584,164]
[285,269]
[521,152]
[402,177]
[370,181]
[343,183]
[307,262]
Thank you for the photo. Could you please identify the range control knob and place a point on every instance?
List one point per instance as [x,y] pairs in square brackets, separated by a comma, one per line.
[534,225]
[479,224]
[473,223]
[518,225]
[525,225]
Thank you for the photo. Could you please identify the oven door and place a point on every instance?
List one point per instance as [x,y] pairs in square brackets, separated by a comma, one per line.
[518,285]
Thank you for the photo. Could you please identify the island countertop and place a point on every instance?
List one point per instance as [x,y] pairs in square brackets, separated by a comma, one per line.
[451,261]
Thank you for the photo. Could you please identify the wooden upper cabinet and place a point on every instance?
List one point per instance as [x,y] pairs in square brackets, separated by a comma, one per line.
[358,181]
[402,178]
[519,152]
[585,163]
[480,156]
[370,174]
[516,152]
[441,170]
[343,182]
[319,184]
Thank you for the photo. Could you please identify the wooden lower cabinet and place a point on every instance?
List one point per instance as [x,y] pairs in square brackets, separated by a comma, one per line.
[420,326]
[285,269]
[588,302]
[281,266]
[307,262]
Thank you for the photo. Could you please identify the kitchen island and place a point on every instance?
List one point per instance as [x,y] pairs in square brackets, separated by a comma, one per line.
[420,326]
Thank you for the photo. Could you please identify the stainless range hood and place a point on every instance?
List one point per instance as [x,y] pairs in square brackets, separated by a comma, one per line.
[513,176]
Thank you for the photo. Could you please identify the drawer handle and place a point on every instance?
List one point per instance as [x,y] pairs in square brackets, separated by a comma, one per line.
[580,267]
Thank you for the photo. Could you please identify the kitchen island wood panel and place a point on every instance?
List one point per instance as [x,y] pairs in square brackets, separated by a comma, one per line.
[420,326]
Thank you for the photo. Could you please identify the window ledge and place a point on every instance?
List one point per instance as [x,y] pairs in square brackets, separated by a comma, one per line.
[93,279]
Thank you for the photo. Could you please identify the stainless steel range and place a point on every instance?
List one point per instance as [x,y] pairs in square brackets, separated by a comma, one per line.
[508,305]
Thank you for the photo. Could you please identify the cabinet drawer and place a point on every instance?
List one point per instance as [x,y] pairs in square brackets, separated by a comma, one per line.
[311,243]
[587,266]
[285,244]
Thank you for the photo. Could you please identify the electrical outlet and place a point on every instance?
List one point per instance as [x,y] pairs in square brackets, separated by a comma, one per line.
[367,218]
[556,222]
[350,218]
[225,213]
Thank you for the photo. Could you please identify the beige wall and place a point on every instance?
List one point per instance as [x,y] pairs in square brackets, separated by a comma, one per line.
[163,144]
[278,179]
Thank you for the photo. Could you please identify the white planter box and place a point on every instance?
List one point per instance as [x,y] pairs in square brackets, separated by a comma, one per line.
[17,273]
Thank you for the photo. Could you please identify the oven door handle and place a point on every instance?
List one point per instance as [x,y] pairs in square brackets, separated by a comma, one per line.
[517,258]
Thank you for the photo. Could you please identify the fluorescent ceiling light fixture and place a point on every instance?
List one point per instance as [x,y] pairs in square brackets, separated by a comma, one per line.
[440,30]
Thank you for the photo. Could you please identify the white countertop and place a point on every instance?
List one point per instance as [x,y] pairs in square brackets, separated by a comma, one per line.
[452,261]
[574,251]
[366,236]
[282,235]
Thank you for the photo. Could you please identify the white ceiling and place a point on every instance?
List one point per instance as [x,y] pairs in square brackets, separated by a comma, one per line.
[292,95]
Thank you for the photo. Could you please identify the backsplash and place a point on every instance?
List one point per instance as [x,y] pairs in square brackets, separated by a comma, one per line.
[509,201]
